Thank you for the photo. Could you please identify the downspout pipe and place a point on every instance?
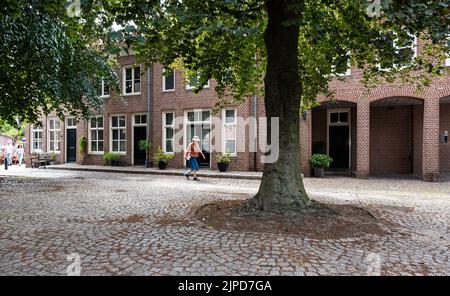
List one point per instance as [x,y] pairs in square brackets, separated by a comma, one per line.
[255,131]
[149,107]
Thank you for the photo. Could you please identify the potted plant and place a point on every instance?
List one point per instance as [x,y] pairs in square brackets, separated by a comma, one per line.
[113,159]
[52,159]
[83,148]
[320,162]
[161,158]
[145,145]
[223,161]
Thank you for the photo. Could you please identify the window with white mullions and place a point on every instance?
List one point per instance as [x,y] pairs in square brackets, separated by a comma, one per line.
[118,132]
[132,80]
[105,89]
[54,133]
[96,134]
[168,80]
[405,52]
[229,131]
[193,81]
[168,132]
[36,139]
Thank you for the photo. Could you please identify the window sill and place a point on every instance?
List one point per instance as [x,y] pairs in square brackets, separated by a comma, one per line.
[131,94]
[105,97]
[168,90]
[95,153]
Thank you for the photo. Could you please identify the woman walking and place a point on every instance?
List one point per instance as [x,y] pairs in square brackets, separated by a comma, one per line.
[20,151]
[192,153]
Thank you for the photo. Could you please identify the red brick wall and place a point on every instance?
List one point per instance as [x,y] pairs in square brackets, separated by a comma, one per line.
[391,140]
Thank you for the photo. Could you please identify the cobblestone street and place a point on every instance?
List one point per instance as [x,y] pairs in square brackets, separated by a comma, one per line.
[125,224]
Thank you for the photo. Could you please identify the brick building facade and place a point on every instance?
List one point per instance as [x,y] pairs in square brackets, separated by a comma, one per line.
[392,130]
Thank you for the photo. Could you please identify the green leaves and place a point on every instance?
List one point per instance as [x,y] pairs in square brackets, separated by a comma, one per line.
[49,62]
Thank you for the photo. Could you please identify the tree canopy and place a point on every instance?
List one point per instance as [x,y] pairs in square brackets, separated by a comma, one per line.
[50,61]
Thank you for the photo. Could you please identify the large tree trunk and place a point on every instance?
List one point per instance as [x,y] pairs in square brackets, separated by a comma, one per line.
[282,188]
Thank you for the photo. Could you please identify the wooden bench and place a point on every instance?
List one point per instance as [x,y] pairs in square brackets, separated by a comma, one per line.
[35,160]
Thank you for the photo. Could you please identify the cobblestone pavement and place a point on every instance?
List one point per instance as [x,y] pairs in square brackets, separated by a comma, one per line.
[139,225]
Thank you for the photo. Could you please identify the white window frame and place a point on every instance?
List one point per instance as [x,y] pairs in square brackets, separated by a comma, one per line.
[190,87]
[124,80]
[164,132]
[37,130]
[67,123]
[103,95]
[49,131]
[111,128]
[140,123]
[186,122]
[96,129]
[447,62]
[225,124]
[414,46]
[347,73]
[164,81]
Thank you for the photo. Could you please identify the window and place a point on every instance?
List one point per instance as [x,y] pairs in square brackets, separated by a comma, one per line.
[168,80]
[96,135]
[338,118]
[36,139]
[105,89]
[140,119]
[229,131]
[118,132]
[192,81]
[406,53]
[132,80]
[71,122]
[348,72]
[168,131]
[54,134]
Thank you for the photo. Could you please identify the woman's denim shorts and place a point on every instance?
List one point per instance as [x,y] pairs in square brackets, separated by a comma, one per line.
[193,162]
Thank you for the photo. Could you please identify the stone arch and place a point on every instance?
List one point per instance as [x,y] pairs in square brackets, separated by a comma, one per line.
[396,135]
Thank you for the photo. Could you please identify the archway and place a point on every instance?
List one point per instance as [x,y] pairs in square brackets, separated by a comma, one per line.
[396,136]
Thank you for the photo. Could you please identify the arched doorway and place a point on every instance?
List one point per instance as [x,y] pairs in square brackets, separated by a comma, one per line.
[396,136]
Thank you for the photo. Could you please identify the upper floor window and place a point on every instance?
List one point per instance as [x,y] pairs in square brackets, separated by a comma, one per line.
[406,53]
[132,80]
[105,89]
[168,80]
[192,82]
[54,132]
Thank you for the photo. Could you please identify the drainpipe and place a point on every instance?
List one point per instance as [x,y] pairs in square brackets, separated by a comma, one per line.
[149,108]
[255,130]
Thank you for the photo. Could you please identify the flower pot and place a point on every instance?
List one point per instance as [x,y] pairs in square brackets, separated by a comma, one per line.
[162,165]
[148,164]
[52,162]
[319,172]
[115,163]
[223,166]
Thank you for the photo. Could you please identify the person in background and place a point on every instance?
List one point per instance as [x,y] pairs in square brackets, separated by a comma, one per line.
[20,151]
[192,153]
[9,153]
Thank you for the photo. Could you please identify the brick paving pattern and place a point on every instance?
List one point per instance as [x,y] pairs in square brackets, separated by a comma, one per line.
[124,224]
